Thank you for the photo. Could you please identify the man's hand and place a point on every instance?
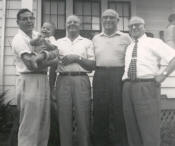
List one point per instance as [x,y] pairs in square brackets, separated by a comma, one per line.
[29,61]
[40,57]
[68,59]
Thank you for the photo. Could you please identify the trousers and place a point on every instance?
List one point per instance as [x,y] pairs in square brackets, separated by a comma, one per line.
[33,100]
[108,120]
[73,92]
[141,103]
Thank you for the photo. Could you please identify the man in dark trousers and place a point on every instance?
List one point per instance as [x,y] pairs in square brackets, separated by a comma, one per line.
[141,89]
[109,48]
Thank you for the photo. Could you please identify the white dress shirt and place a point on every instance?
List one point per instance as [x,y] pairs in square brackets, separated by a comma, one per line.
[80,46]
[21,45]
[150,52]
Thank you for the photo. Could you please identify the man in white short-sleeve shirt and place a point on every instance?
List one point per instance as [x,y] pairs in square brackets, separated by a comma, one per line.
[32,86]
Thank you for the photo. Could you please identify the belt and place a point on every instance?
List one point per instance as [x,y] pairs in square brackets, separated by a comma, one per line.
[108,67]
[38,72]
[72,73]
[140,80]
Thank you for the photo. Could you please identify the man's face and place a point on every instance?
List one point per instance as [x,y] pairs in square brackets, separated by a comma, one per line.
[47,30]
[26,22]
[136,30]
[109,21]
[73,24]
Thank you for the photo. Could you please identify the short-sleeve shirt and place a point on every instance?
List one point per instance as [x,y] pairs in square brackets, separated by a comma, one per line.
[110,50]
[80,46]
[150,52]
[21,45]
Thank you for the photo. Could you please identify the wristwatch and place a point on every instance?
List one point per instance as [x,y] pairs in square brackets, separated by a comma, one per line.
[165,73]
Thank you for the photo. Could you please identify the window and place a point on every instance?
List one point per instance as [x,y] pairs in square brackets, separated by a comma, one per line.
[124,10]
[55,11]
[89,13]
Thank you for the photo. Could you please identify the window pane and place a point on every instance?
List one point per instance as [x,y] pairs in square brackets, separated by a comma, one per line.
[54,7]
[87,8]
[119,9]
[46,8]
[46,18]
[61,8]
[53,19]
[87,26]
[95,9]
[120,24]
[112,6]
[61,22]
[126,22]
[95,26]
[126,10]
[78,8]
[95,20]
[87,19]
[89,13]
[54,11]
[123,8]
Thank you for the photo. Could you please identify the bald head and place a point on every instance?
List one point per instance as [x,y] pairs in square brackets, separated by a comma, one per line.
[136,27]
[110,12]
[73,26]
[136,20]
[73,17]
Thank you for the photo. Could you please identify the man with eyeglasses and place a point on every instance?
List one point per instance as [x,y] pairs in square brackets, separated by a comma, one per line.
[109,47]
[141,89]
[32,87]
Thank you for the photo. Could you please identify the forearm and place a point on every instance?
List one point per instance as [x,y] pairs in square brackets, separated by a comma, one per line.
[171,66]
[29,61]
[167,71]
[86,64]
[47,55]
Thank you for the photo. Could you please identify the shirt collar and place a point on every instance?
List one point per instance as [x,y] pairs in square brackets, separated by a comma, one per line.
[114,34]
[34,33]
[140,38]
[77,39]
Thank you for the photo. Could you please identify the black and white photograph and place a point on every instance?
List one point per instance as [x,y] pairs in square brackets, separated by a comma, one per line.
[87,72]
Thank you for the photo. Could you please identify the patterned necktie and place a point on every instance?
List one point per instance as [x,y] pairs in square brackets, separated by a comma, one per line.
[132,71]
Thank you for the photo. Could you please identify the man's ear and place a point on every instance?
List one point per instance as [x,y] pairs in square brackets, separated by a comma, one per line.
[17,21]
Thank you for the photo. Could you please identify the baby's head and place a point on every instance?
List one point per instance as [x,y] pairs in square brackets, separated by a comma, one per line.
[48,29]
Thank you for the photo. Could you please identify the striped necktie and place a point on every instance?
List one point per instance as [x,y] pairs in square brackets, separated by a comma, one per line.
[132,71]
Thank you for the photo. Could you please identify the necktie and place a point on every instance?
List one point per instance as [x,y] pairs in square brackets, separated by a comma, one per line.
[132,71]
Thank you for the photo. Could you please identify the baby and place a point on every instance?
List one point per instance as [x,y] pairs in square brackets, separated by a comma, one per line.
[45,40]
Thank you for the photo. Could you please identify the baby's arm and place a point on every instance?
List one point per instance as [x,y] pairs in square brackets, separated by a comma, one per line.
[36,41]
[49,45]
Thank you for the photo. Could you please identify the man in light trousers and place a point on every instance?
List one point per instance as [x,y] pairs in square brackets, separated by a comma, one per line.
[32,87]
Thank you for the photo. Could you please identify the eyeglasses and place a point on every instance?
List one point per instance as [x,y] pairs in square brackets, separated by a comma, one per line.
[27,18]
[137,25]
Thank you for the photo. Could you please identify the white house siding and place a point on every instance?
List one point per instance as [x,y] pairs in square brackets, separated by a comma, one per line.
[12,7]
